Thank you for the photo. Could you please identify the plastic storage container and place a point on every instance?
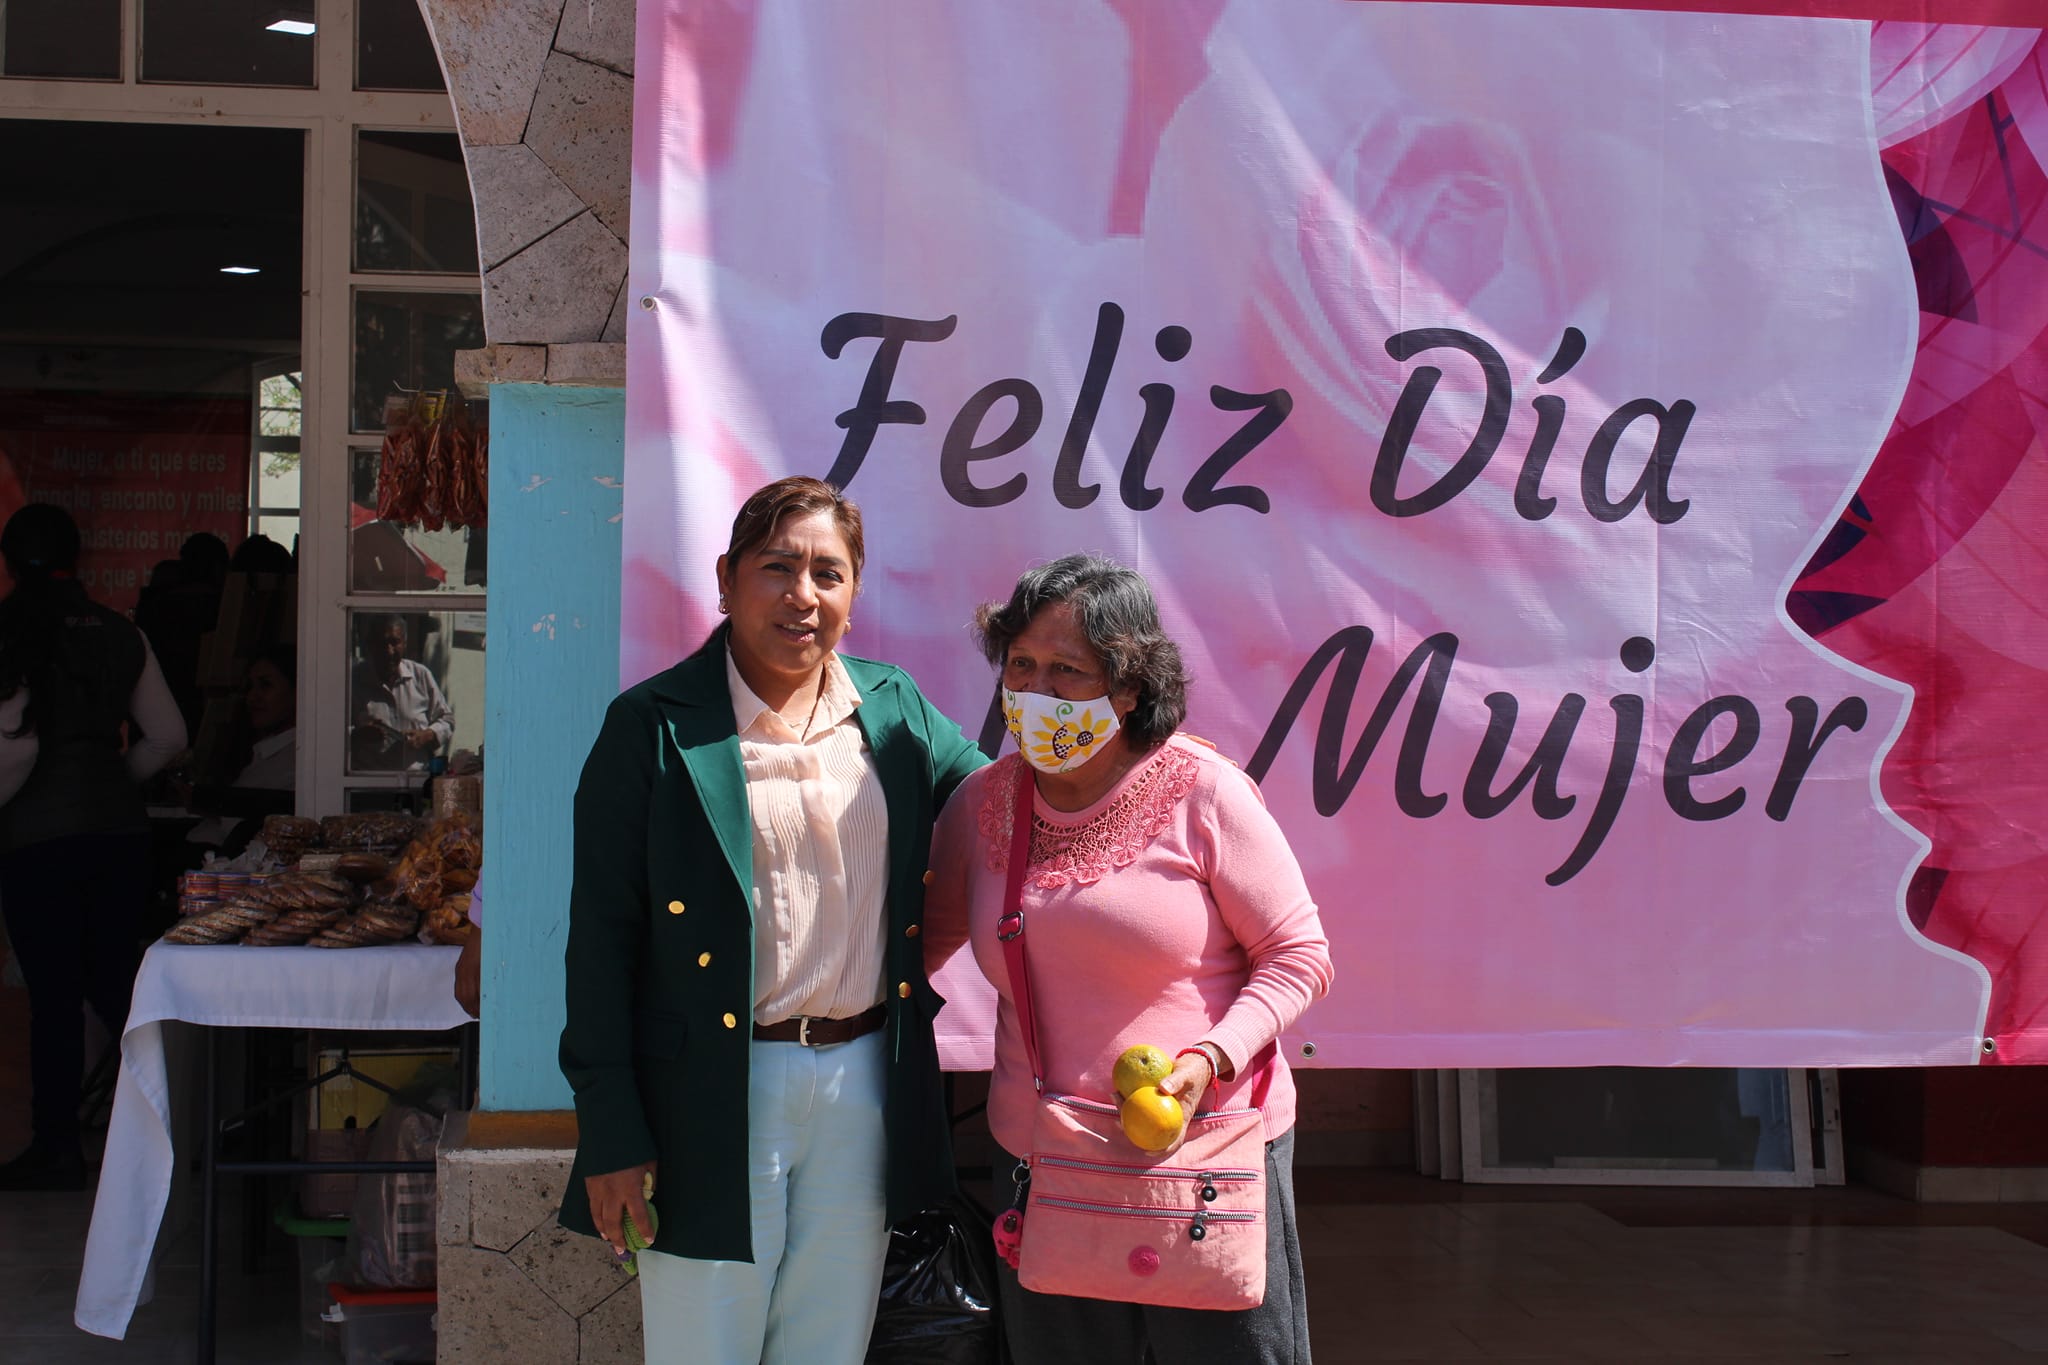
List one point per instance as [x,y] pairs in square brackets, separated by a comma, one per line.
[383,1326]
[320,1242]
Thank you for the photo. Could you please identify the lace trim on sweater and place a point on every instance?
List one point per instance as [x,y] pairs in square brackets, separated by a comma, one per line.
[1086,853]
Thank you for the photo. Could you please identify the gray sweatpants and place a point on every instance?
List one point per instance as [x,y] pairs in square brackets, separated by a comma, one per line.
[1054,1329]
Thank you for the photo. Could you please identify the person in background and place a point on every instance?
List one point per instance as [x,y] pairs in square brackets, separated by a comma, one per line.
[85,717]
[402,719]
[177,609]
[265,785]
[469,964]
[260,554]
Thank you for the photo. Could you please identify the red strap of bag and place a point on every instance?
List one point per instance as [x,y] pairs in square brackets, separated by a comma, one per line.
[1010,933]
[1010,927]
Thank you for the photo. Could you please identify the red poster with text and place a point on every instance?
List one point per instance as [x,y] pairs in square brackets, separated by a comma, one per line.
[138,472]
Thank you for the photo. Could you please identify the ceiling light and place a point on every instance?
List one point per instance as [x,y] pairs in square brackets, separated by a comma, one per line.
[241,270]
[286,21]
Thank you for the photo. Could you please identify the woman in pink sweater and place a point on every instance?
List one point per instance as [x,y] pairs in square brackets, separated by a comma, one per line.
[1164,906]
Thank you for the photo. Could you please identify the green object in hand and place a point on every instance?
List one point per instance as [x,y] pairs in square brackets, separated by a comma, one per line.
[635,1243]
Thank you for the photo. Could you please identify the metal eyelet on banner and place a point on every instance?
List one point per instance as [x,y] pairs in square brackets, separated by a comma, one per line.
[647,302]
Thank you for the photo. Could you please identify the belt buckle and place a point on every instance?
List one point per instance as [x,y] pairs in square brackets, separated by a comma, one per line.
[803,1030]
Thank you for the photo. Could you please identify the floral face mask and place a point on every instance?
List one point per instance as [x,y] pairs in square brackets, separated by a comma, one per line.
[1057,736]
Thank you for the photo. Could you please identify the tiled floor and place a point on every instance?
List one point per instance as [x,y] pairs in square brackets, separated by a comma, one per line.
[1399,1268]
[42,1240]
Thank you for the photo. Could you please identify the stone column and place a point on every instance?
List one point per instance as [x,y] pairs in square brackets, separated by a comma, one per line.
[543,95]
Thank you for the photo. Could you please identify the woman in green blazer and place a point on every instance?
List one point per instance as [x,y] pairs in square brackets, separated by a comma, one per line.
[749,1023]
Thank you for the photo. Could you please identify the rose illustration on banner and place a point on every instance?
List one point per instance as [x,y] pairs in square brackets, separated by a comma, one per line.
[1470,436]
[1526,602]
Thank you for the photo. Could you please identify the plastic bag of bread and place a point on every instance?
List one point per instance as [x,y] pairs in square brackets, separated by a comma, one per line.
[289,836]
[417,878]
[368,829]
[448,922]
[456,838]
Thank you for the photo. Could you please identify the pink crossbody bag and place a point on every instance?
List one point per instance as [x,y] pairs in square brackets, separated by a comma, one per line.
[1179,1229]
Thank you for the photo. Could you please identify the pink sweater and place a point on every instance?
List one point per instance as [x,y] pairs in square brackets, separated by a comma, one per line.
[1169,912]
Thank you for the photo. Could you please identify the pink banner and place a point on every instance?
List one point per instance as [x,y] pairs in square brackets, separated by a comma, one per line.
[1587,456]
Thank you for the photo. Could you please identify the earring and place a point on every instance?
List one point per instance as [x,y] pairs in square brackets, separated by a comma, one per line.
[723,610]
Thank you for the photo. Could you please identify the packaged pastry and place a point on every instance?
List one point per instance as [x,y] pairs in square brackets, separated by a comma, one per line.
[363,867]
[289,836]
[388,830]
[448,922]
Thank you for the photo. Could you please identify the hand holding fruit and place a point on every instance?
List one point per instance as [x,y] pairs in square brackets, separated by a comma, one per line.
[1155,1095]
[1191,1078]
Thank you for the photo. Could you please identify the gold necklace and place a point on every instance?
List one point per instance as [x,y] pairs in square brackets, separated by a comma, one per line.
[817,695]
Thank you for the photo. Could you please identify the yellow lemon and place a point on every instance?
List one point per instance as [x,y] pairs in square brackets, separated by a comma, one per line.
[1151,1119]
[1139,1066]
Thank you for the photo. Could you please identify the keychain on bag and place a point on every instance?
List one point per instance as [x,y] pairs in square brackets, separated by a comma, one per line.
[1008,1231]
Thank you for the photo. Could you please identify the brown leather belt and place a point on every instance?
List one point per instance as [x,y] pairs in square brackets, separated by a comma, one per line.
[813,1032]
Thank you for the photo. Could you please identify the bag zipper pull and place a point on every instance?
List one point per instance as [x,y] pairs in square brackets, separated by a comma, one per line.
[1200,1228]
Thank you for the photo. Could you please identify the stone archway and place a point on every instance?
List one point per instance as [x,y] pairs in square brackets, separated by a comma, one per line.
[543,95]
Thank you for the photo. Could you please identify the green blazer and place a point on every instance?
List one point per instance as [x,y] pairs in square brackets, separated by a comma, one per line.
[658,1036]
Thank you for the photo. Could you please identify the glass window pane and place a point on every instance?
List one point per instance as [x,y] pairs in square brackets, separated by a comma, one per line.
[279,411]
[77,40]
[408,342]
[228,42]
[1637,1119]
[386,557]
[393,51]
[412,204]
[416,688]
[282,529]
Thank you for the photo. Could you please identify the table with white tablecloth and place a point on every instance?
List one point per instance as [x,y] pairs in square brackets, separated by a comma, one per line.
[402,987]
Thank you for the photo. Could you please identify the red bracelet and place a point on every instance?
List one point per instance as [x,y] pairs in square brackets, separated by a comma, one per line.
[1215,1067]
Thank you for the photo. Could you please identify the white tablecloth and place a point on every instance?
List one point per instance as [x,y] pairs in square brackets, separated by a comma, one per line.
[401,987]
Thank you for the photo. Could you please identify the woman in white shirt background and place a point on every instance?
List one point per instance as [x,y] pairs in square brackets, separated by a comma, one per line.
[268,776]
[85,718]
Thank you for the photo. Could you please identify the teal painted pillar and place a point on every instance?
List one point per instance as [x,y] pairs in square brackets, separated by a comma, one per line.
[552,667]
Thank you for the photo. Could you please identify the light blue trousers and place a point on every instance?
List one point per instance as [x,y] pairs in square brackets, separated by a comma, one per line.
[820,1223]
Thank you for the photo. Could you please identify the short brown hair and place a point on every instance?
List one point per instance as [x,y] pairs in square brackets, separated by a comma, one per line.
[1117,615]
[796,496]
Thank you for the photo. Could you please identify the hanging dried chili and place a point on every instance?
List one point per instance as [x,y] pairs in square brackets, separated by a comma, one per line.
[434,474]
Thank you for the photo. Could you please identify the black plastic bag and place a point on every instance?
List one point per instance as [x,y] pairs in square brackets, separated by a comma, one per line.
[938,1291]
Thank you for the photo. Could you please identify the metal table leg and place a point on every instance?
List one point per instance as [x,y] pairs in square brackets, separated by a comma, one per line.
[212,1167]
[209,1194]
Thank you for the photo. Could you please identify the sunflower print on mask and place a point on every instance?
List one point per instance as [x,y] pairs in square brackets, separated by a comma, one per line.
[1067,737]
